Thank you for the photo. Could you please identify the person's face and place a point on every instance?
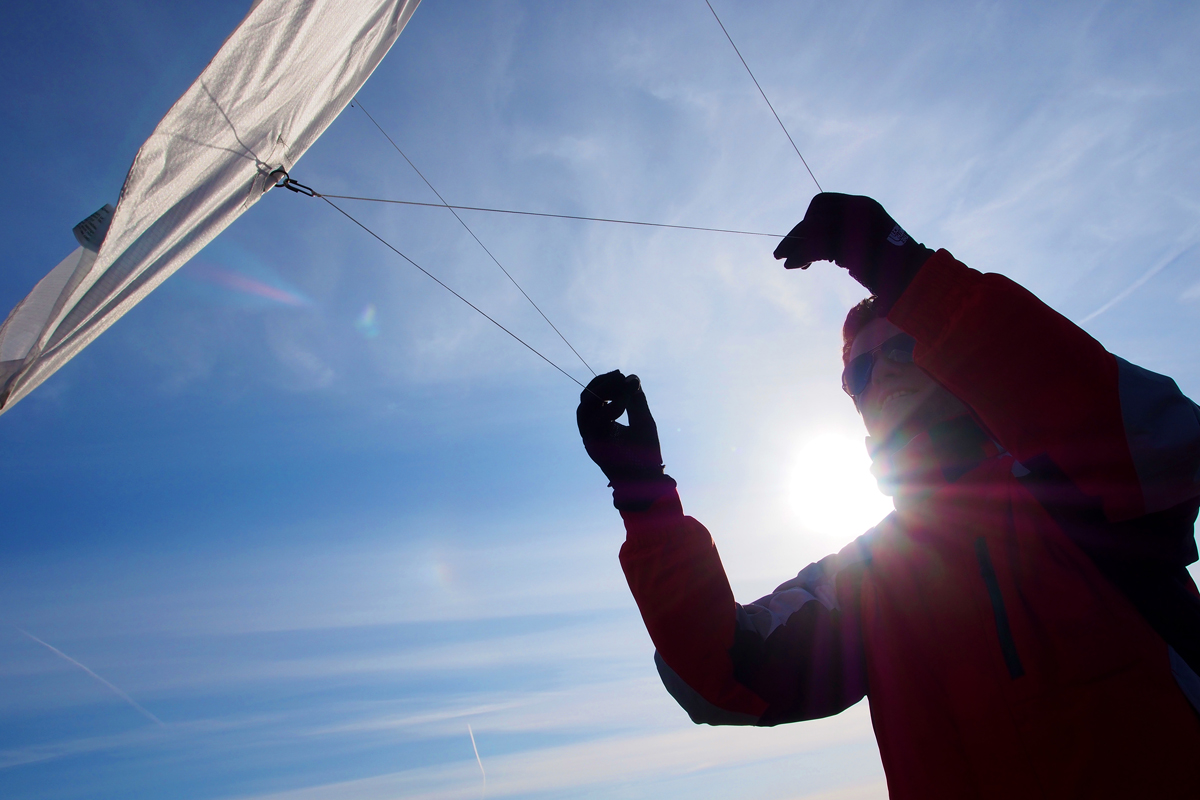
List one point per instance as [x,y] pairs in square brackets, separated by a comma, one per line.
[900,400]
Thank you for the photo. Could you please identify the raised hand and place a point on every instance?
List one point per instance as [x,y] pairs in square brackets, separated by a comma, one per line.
[855,233]
[629,455]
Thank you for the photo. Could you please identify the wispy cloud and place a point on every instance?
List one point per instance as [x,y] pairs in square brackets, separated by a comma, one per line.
[114,689]
[478,760]
[612,761]
[1171,258]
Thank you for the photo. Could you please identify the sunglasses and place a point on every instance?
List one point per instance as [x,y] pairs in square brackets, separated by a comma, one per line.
[857,374]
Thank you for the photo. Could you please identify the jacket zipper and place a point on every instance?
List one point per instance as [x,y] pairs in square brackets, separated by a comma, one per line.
[1007,646]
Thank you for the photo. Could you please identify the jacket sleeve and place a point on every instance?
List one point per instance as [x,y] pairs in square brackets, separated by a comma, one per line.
[795,654]
[1047,390]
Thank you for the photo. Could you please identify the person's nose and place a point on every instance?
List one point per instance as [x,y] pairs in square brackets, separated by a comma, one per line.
[883,369]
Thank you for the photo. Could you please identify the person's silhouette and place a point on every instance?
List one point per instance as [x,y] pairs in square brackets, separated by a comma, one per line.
[1023,623]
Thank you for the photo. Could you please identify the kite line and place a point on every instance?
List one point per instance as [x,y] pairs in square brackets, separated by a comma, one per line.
[285,181]
[473,236]
[288,183]
[554,216]
[299,188]
[764,95]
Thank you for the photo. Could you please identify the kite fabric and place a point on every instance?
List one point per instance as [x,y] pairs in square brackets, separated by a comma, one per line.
[275,85]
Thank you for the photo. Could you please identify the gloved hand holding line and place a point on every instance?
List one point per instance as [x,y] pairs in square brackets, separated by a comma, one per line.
[629,455]
[858,235]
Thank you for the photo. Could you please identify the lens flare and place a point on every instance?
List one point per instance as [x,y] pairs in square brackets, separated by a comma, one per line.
[366,323]
[219,276]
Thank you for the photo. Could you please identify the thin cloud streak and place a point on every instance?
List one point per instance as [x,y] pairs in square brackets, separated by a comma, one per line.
[612,761]
[118,692]
[478,760]
[1171,258]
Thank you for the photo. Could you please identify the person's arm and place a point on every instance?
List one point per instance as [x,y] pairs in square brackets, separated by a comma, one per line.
[1050,393]
[796,654]
[793,655]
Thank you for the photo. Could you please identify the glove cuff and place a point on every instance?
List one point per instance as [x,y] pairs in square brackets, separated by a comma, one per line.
[895,270]
[638,494]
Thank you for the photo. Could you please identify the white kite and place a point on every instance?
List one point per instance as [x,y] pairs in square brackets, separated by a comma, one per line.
[275,85]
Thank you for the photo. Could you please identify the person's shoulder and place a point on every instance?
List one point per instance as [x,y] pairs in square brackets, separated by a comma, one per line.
[857,554]
[861,549]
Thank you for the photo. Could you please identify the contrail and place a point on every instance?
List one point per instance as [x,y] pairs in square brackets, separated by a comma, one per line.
[1150,273]
[115,690]
[478,760]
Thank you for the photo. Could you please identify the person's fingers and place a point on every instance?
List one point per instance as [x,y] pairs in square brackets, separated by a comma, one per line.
[787,246]
[807,250]
[600,389]
[603,387]
[637,406]
[815,237]
[613,410]
[796,247]
[600,403]
[584,419]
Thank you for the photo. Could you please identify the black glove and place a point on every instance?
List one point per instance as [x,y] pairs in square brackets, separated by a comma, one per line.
[857,234]
[629,455]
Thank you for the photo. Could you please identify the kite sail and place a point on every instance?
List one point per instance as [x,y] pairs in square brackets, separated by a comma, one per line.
[275,85]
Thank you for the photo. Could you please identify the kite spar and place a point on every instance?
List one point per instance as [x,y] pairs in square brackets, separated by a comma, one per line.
[272,89]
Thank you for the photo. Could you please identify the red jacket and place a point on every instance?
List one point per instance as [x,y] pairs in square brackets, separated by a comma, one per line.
[1000,626]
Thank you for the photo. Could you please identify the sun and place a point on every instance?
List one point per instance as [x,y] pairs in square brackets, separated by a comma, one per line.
[832,491]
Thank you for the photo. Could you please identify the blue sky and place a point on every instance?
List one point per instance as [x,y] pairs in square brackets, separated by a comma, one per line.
[317,517]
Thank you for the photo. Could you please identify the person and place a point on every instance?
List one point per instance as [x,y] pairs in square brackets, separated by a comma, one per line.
[1023,623]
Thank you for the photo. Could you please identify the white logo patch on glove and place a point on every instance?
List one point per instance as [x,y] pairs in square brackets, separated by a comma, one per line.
[897,237]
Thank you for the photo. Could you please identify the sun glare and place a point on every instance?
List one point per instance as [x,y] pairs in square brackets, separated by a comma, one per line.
[832,490]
